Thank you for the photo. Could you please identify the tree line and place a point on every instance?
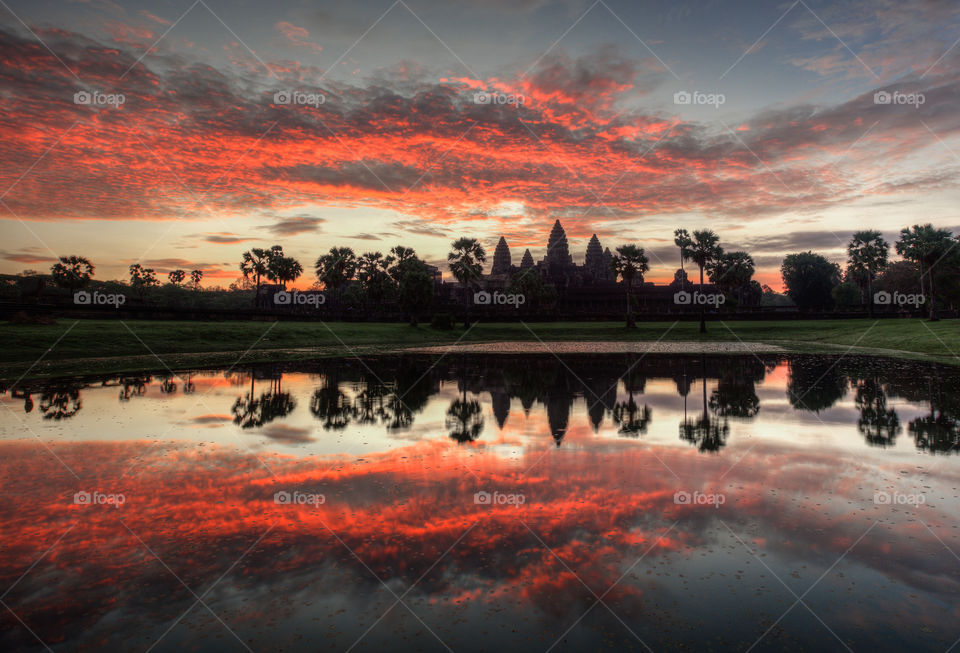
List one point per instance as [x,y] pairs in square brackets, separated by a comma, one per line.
[930,258]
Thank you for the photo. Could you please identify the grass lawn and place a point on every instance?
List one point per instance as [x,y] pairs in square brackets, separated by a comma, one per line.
[115,346]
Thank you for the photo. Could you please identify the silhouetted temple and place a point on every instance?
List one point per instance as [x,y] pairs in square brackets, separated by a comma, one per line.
[557,266]
[559,286]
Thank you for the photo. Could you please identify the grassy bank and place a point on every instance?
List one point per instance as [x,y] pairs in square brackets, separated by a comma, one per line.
[92,346]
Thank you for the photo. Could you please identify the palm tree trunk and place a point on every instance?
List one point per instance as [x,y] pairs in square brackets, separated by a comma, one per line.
[703,318]
[870,292]
[630,321]
[933,299]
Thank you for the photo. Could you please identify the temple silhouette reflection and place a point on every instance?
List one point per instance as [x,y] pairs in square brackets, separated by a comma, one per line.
[715,394]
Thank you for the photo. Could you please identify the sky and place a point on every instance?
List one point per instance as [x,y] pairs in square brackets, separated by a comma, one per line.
[178,134]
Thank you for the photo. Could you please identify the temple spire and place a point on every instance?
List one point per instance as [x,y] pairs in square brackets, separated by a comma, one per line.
[527,260]
[558,251]
[501,258]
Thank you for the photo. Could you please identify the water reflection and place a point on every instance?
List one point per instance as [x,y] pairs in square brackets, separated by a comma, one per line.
[392,392]
[252,411]
[799,445]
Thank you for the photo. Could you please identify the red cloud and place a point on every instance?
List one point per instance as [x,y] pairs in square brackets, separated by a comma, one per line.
[296,35]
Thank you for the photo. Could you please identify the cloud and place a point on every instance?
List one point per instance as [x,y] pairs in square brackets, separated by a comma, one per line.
[580,148]
[224,238]
[295,225]
[287,434]
[26,256]
[297,36]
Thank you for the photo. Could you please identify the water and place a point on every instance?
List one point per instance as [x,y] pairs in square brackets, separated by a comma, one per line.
[486,503]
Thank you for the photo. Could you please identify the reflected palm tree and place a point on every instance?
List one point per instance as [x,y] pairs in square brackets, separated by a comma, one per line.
[815,384]
[411,393]
[332,406]
[369,404]
[879,424]
[632,419]
[465,419]
[735,397]
[168,386]
[133,386]
[706,434]
[250,412]
[397,415]
[938,432]
[61,402]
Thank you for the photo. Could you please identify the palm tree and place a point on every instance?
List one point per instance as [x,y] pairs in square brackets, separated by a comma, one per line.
[466,264]
[703,249]
[72,272]
[681,238]
[732,271]
[335,269]
[372,272]
[925,246]
[176,277]
[256,263]
[629,263]
[401,256]
[195,277]
[868,257]
[142,278]
[284,269]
